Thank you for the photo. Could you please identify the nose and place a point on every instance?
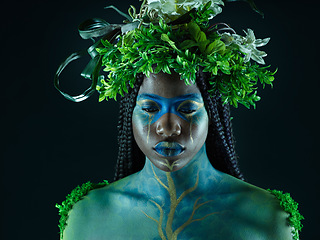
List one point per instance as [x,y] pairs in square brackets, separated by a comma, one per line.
[168,125]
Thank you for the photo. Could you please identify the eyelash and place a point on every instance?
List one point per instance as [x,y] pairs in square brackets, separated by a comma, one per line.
[150,109]
[187,111]
[155,109]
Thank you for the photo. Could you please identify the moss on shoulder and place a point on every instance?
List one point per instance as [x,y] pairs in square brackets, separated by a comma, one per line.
[76,195]
[291,207]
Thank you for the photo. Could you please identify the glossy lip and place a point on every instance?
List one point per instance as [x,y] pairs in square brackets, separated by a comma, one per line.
[169,149]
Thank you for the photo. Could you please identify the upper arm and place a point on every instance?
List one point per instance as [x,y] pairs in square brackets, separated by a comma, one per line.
[90,217]
[269,216]
[287,212]
[77,221]
[73,211]
[279,228]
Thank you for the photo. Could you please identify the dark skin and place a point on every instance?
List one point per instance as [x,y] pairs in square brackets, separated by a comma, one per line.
[186,200]
[170,127]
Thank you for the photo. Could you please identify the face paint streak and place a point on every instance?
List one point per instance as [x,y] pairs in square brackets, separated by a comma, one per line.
[191,118]
[149,124]
[191,122]
[150,116]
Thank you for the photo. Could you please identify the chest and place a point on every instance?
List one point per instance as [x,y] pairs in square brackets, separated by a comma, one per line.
[152,219]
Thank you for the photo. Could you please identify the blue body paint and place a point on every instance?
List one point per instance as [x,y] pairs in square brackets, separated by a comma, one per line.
[183,106]
[169,149]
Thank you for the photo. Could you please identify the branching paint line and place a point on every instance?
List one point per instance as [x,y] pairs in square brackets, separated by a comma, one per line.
[163,237]
[174,201]
[170,167]
[158,179]
[185,193]
[173,205]
[191,220]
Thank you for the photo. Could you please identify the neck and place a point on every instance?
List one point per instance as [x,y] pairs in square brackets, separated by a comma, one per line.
[197,175]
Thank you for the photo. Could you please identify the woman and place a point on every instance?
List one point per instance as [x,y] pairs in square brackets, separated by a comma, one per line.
[177,194]
[177,175]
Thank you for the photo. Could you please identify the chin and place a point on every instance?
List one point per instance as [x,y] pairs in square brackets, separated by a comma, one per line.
[170,164]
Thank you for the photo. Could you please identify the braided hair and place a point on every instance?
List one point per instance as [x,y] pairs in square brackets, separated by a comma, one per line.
[221,152]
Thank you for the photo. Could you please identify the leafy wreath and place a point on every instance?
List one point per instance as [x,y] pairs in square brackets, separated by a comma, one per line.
[155,40]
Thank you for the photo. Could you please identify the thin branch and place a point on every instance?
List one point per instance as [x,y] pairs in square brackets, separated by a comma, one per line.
[163,237]
[199,219]
[185,193]
[201,204]
[190,220]
[149,216]
[173,205]
[158,179]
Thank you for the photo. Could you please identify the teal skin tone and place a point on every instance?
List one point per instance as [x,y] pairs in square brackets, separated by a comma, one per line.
[238,210]
[191,201]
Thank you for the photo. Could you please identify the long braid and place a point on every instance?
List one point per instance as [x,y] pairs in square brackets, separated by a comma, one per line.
[221,151]
[121,140]
[226,121]
[131,104]
[125,165]
[119,166]
[215,138]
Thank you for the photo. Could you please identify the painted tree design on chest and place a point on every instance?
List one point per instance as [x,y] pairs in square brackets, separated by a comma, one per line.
[169,233]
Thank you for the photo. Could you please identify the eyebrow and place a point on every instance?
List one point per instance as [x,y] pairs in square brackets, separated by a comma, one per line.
[196,96]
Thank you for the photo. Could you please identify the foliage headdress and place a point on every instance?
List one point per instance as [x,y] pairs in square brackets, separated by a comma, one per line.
[173,34]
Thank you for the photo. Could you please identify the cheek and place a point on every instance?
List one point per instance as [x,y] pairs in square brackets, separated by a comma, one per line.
[141,122]
[200,118]
[198,124]
[140,117]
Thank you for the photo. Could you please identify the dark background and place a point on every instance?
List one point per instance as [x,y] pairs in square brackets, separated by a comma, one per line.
[50,145]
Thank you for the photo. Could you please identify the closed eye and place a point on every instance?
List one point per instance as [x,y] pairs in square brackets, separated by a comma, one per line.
[148,106]
[187,111]
[150,109]
[189,107]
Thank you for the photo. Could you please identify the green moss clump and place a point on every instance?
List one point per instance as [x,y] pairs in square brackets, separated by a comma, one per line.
[76,195]
[291,207]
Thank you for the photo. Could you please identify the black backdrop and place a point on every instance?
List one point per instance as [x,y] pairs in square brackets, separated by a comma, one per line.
[50,145]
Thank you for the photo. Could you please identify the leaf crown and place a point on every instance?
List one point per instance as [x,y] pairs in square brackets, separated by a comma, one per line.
[150,42]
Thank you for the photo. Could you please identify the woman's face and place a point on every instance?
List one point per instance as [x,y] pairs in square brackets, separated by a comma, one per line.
[170,122]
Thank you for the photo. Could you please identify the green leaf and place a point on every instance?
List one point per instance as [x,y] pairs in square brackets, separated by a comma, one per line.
[188,44]
[195,31]
[128,39]
[216,47]
[165,37]
[215,70]
[203,45]
[201,37]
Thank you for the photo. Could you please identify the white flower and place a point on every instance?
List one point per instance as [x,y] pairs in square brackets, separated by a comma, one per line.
[171,9]
[247,45]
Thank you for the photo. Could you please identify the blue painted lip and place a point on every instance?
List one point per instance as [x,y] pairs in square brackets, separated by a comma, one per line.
[169,149]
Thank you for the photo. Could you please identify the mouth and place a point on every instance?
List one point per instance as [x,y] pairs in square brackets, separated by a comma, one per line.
[169,149]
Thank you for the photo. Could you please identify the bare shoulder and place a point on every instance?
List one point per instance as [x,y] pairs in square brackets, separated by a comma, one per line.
[261,212]
[81,215]
[95,206]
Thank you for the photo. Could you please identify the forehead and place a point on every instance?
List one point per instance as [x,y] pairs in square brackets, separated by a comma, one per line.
[166,85]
